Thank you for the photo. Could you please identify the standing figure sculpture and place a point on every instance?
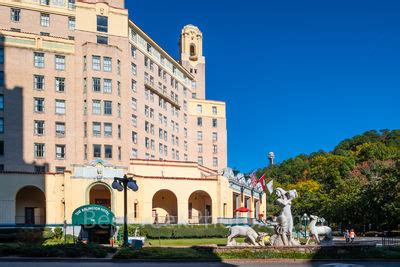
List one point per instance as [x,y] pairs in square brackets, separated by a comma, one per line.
[283,231]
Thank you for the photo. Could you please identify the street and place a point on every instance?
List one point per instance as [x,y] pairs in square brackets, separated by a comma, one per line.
[199,264]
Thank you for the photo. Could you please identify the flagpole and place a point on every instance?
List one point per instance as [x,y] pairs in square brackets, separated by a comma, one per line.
[271,157]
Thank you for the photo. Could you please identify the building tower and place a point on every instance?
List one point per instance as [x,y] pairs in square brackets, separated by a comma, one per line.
[192,59]
[271,158]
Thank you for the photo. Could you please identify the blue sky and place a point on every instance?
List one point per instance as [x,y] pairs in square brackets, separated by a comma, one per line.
[297,76]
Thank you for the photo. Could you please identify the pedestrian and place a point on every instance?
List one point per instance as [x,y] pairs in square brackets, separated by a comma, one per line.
[352,235]
[347,235]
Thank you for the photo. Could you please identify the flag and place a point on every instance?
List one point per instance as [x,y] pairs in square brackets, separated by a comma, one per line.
[262,181]
[254,179]
[270,186]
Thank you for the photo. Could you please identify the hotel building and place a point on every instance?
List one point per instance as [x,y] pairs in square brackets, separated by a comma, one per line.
[85,95]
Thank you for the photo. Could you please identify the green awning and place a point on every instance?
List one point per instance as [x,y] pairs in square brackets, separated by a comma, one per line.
[93,215]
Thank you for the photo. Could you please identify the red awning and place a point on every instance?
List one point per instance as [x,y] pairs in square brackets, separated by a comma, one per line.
[243,209]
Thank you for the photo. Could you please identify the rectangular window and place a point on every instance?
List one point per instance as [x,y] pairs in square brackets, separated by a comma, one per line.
[96,107]
[199,108]
[215,162]
[71,4]
[15,14]
[1,102]
[200,148]
[71,23]
[45,2]
[2,151]
[38,82]
[96,129]
[96,63]
[60,107]
[134,104]
[39,150]
[97,151]
[119,131]
[108,129]
[215,149]
[215,136]
[108,151]
[60,84]
[119,67]
[107,64]
[1,78]
[134,153]
[134,137]
[39,105]
[102,39]
[102,23]
[199,121]
[60,169]
[200,160]
[107,108]
[1,125]
[60,129]
[44,20]
[134,86]
[1,55]
[107,86]
[60,62]
[60,151]
[85,152]
[134,69]
[133,51]
[119,88]
[39,127]
[214,110]
[119,153]
[215,123]
[199,136]
[96,84]
[39,60]
[134,120]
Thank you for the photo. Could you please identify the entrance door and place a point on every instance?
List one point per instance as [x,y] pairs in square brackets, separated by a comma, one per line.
[29,215]
[208,214]
[99,234]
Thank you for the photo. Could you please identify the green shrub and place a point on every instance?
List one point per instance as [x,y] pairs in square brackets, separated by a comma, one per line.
[58,232]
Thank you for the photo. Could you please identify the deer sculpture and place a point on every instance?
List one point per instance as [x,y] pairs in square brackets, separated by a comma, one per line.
[318,231]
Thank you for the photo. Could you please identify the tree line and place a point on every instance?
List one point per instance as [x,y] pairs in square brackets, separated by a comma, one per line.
[355,185]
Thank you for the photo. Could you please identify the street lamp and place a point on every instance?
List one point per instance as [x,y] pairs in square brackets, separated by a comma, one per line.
[305,219]
[122,184]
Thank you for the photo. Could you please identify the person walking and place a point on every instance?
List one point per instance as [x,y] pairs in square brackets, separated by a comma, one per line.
[352,235]
[347,235]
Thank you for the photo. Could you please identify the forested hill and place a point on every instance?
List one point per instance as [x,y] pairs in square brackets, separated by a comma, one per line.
[356,184]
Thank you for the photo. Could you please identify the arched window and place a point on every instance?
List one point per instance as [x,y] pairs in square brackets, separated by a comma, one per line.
[192,50]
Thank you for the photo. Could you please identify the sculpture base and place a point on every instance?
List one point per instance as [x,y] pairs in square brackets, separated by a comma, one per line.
[277,241]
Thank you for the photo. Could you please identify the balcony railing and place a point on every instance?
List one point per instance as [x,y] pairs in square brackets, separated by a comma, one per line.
[165,219]
[160,92]
[200,220]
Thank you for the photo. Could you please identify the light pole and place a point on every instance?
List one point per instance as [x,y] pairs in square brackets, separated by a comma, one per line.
[122,184]
[271,158]
[305,219]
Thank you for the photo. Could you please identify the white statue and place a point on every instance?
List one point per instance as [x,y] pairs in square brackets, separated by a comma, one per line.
[319,231]
[252,237]
[283,231]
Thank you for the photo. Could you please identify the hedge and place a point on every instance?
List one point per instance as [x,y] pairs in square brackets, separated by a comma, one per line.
[186,231]
[71,251]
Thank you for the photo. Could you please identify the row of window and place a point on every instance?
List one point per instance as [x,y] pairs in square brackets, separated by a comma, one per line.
[200,136]
[105,65]
[98,86]
[39,60]
[214,122]
[40,129]
[213,108]
[200,149]
[39,105]
[200,161]
[39,83]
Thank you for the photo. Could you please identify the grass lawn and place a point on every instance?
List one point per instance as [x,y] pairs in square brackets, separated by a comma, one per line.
[188,242]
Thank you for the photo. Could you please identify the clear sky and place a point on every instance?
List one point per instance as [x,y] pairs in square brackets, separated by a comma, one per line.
[297,76]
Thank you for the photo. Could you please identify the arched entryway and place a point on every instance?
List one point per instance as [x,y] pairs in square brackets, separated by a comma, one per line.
[100,194]
[30,206]
[200,208]
[165,207]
